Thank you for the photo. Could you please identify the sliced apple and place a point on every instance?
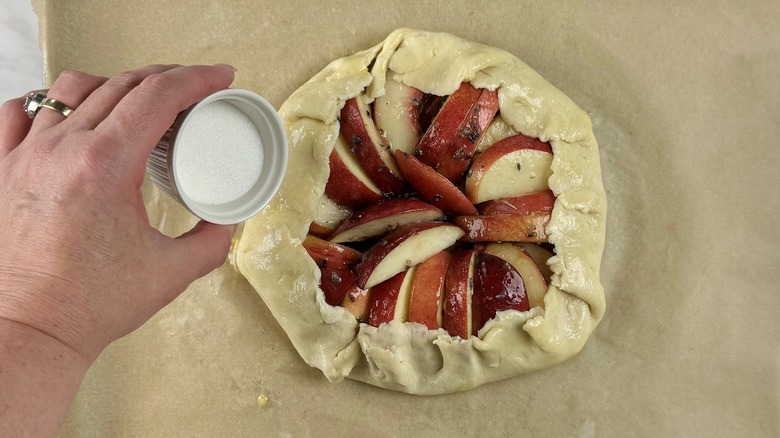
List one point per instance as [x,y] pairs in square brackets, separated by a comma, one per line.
[390,299]
[336,283]
[427,296]
[482,114]
[383,217]
[370,149]
[515,166]
[348,185]
[403,248]
[535,284]
[450,141]
[497,286]
[318,230]
[429,108]
[434,146]
[504,227]
[397,114]
[539,202]
[496,131]
[459,289]
[358,302]
[433,187]
[331,255]
[540,256]
[328,217]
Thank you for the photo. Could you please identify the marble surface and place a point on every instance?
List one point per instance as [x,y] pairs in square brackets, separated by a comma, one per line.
[21,65]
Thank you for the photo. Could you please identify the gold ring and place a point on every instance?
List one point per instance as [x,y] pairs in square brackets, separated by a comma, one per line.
[56,105]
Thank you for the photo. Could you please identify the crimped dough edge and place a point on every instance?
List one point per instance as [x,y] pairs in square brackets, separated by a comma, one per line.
[406,356]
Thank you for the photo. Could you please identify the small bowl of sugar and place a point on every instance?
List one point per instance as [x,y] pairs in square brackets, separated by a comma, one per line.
[224,158]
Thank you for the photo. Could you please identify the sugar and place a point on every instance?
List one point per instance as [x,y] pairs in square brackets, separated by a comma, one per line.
[219,154]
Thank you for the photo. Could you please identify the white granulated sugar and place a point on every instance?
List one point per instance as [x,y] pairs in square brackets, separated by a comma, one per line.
[219,154]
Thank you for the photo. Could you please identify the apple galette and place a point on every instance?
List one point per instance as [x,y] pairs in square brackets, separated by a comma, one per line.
[441,223]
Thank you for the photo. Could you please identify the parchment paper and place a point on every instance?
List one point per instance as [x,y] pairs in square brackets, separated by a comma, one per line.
[685,100]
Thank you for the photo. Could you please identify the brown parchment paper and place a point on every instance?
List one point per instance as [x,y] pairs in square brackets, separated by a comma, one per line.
[685,100]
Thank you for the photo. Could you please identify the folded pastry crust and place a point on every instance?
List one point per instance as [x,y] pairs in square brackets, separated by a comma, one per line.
[405,356]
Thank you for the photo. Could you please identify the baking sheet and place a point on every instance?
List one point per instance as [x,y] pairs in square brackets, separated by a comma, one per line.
[685,102]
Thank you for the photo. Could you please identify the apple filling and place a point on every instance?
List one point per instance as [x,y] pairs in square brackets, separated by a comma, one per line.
[434,212]
[447,250]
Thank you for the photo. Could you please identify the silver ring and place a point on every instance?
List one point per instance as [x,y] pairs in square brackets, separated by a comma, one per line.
[32,102]
[56,105]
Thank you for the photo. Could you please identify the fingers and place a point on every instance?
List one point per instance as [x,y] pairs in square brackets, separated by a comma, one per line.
[145,113]
[71,88]
[103,100]
[199,251]
[14,125]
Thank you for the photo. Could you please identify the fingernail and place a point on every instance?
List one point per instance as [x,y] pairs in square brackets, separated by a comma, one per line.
[226,67]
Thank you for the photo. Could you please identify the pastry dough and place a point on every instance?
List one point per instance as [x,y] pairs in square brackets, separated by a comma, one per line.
[405,356]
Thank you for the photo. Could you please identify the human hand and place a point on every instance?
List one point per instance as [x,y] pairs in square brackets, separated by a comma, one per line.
[80,261]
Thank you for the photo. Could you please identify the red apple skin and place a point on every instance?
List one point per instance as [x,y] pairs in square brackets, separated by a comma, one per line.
[429,108]
[433,187]
[465,143]
[377,253]
[497,286]
[449,143]
[336,283]
[331,255]
[526,266]
[459,286]
[384,298]
[504,227]
[435,144]
[425,304]
[539,202]
[344,188]
[370,149]
[387,209]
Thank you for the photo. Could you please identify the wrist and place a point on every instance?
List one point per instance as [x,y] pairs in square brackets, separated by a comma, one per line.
[23,340]
[40,377]
[42,304]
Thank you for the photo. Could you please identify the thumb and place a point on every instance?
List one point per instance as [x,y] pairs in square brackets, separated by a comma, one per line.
[201,250]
